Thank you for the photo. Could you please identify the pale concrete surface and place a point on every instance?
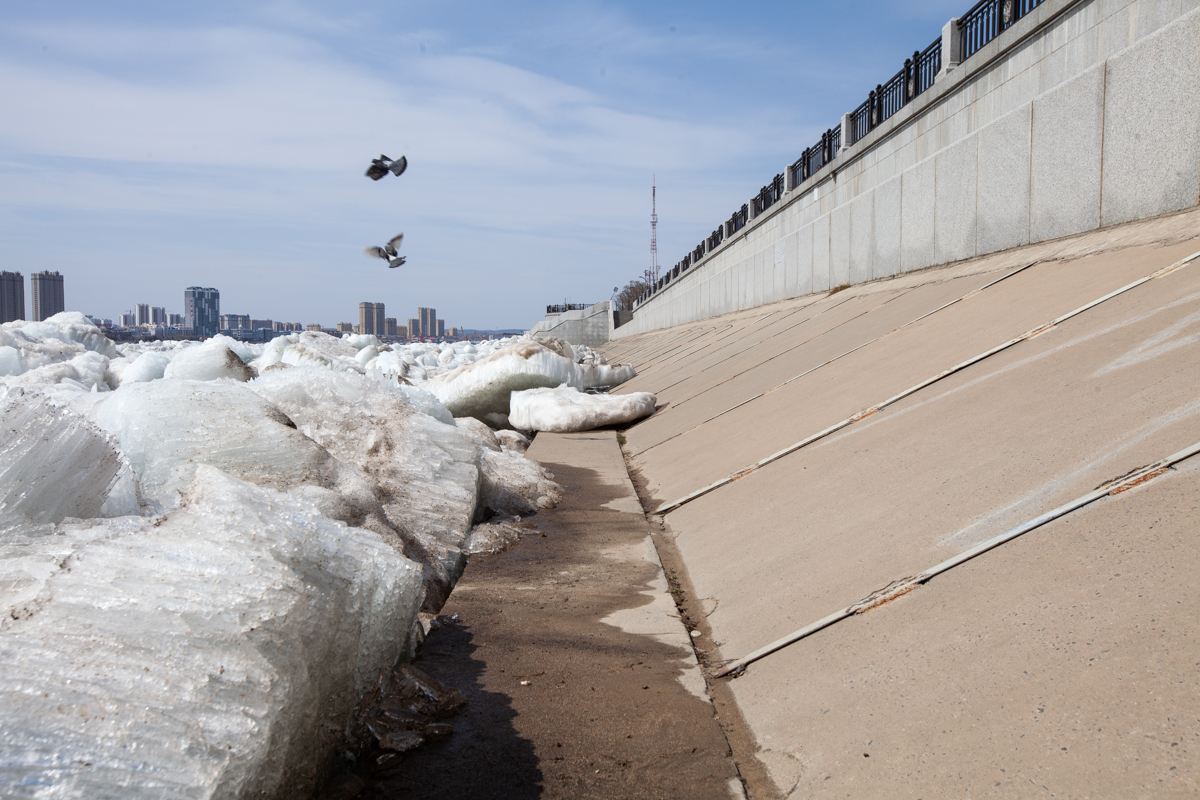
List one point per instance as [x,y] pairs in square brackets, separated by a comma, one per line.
[1061,665]
[1151,150]
[861,379]
[941,688]
[657,618]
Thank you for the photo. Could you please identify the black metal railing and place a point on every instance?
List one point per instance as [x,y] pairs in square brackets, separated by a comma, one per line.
[918,74]
[562,307]
[738,221]
[985,21]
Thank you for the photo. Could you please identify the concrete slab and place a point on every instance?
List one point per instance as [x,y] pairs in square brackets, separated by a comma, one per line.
[1068,129]
[955,212]
[917,217]
[959,462]
[1004,182]
[1151,150]
[1062,664]
[806,406]
[885,258]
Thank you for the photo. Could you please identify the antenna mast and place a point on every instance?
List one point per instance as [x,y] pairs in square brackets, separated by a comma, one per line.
[652,273]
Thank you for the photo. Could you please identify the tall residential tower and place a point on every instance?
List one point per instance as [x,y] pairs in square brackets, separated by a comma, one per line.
[202,310]
[47,294]
[12,296]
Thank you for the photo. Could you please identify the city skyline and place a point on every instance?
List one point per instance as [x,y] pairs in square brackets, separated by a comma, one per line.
[230,137]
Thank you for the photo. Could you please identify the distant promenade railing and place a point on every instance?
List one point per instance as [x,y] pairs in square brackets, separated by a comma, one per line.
[563,307]
[967,36]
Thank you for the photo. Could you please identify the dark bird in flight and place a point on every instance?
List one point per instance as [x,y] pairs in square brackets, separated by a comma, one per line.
[383,165]
[388,252]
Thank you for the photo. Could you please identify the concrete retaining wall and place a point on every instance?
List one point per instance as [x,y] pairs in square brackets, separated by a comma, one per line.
[592,326]
[1083,114]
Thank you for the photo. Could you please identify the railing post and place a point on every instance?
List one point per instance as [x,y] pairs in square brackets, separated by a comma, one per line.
[951,46]
[847,128]
[751,209]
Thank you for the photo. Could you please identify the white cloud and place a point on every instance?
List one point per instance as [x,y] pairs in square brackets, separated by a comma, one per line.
[513,173]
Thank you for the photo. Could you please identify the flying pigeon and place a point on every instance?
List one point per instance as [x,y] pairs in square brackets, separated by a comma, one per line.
[388,252]
[382,165]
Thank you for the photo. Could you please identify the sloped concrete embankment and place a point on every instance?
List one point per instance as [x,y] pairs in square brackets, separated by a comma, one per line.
[809,454]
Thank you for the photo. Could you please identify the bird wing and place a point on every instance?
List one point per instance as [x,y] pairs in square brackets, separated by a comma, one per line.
[376,252]
[382,157]
[399,166]
[376,171]
[395,241]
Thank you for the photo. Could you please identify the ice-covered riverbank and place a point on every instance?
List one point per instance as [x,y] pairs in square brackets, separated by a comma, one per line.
[210,551]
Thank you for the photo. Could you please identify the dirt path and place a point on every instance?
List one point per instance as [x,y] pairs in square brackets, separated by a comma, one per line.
[605,713]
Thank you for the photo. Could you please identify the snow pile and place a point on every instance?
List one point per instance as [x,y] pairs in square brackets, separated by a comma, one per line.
[54,463]
[64,348]
[565,410]
[497,536]
[425,474]
[602,376]
[512,484]
[512,440]
[597,373]
[214,359]
[217,651]
[482,388]
[310,348]
[209,551]
[149,366]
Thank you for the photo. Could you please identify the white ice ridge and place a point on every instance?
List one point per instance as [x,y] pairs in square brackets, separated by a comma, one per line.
[217,651]
[565,410]
[483,387]
[308,501]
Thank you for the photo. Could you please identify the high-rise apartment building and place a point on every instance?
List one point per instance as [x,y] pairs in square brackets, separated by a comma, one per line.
[128,319]
[346,327]
[371,318]
[441,328]
[47,294]
[158,315]
[235,322]
[175,320]
[428,317]
[413,328]
[12,296]
[202,310]
[389,326]
[143,313]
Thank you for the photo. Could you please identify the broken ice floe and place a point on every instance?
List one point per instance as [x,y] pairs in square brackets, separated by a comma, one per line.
[565,410]
[208,551]
[217,651]
[483,387]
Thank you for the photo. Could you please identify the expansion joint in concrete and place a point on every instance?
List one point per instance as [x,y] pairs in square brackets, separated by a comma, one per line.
[1039,330]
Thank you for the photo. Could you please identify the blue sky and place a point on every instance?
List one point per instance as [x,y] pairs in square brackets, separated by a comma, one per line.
[146,147]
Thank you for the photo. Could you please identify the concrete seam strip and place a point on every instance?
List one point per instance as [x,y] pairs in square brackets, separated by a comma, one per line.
[969,294]
[903,586]
[801,344]
[837,426]
[712,341]
[756,344]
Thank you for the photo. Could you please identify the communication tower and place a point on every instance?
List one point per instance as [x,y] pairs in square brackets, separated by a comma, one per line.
[652,273]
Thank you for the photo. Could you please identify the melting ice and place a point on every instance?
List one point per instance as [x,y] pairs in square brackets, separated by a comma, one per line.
[209,552]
